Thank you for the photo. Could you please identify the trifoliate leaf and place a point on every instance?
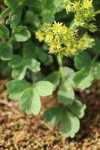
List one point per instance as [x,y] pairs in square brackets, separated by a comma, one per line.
[66,93]
[21,34]
[82,60]
[44,88]
[53,115]
[77,108]
[4,32]
[15,88]
[30,101]
[69,125]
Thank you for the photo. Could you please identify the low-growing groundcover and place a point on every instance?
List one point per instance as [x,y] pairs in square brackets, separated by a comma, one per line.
[50,48]
[19,131]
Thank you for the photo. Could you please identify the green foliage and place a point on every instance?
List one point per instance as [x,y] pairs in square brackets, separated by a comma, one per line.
[28,94]
[54,78]
[15,17]
[4,32]
[44,88]
[34,71]
[66,93]
[69,125]
[20,34]
[77,108]
[67,118]
[95,70]
[6,51]
[82,79]
[30,101]
[16,88]
[53,115]
[82,60]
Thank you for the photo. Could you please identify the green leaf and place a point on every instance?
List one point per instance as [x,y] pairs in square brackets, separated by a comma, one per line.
[82,60]
[33,65]
[69,125]
[29,16]
[82,79]
[53,115]
[21,34]
[54,78]
[95,70]
[44,88]
[4,32]
[48,16]
[6,51]
[96,48]
[66,93]
[16,61]
[5,13]
[30,101]
[77,108]
[15,17]
[68,72]
[44,58]
[19,73]
[36,5]
[15,88]
[13,3]
[58,4]
[29,49]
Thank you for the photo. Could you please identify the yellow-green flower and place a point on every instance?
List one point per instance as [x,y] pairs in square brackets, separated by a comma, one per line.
[56,27]
[49,37]
[76,5]
[55,47]
[64,30]
[92,27]
[68,8]
[87,4]
[39,35]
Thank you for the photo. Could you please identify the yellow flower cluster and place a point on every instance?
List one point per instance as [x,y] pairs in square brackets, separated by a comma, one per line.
[63,40]
[85,42]
[84,12]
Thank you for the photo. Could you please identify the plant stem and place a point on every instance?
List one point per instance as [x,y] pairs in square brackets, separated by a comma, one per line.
[95,58]
[97,12]
[59,58]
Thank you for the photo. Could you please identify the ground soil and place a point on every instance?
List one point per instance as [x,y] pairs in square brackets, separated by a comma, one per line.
[19,131]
